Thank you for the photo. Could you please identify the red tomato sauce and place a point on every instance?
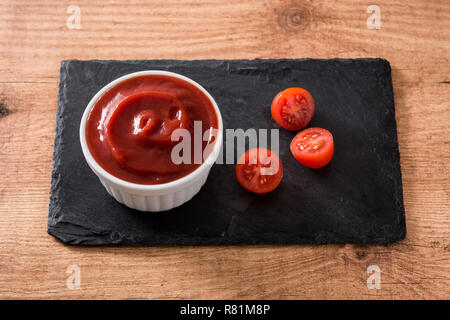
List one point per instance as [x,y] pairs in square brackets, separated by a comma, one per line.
[129,128]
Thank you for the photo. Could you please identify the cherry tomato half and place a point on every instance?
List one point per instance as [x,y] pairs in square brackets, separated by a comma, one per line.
[293,108]
[259,170]
[313,147]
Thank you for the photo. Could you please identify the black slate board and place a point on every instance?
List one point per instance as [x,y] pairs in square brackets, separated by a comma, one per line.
[357,198]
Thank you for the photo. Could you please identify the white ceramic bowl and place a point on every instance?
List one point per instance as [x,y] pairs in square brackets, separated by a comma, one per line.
[156,197]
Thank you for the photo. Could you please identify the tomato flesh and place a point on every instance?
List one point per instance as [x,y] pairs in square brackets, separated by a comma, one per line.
[313,147]
[259,170]
[293,108]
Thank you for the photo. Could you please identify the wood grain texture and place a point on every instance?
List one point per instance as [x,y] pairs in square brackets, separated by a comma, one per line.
[34,38]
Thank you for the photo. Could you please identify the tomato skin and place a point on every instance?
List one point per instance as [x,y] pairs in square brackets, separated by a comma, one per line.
[313,147]
[293,108]
[251,169]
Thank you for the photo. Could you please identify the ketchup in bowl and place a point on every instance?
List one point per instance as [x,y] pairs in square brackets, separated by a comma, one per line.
[129,128]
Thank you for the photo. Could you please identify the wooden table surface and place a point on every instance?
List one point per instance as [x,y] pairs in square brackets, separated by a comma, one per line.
[34,38]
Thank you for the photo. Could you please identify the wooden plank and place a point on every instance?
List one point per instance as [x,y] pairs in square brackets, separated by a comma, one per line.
[34,38]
